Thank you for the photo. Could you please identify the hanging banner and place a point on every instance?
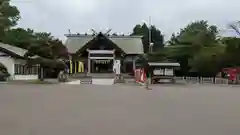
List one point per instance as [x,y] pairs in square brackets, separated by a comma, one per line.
[140,76]
[75,67]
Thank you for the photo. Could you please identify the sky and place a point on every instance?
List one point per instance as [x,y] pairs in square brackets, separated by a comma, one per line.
[57,16]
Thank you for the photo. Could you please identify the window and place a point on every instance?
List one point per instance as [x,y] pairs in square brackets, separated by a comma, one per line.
[20,69]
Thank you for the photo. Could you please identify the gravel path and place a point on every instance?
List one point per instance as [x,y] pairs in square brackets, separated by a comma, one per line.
[119,110]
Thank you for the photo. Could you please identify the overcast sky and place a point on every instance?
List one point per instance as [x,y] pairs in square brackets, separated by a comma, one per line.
[57,16]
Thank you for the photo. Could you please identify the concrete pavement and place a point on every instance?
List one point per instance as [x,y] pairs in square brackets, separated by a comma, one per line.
[119,110]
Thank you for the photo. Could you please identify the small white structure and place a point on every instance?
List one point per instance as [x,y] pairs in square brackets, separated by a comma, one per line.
[117,67]
[13,59]
[163,71]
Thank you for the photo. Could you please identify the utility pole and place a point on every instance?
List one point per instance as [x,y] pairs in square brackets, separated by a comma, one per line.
[150,35]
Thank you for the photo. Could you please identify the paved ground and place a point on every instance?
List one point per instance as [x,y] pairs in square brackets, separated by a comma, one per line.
[119,110]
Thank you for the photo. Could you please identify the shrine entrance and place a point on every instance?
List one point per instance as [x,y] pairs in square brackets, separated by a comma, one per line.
[100,61]
[102,66]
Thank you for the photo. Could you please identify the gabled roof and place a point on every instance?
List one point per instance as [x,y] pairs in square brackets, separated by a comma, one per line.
[95,39]
[76,42]
[13,50]
[129,44]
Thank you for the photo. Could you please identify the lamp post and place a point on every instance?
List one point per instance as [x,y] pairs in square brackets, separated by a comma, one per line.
[150,47]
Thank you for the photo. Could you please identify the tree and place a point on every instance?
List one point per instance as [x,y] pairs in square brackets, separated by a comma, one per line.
[194,39]
[37,43]
[156,36]
[232,51]
[19,37]
[208,62]
[50,49]
[9,15]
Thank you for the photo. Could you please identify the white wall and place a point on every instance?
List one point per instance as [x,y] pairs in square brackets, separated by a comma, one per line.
[25,77]
[9,63]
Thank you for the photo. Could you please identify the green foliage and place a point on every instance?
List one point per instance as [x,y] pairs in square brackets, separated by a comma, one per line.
[19,37]
[156,36]
[196,47]
[42,44]
[232,52]
[37,43]
[9,15]
[208,62]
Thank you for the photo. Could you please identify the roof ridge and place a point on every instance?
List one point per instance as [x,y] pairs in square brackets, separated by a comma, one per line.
[108,35]
[124,36]
[79,35]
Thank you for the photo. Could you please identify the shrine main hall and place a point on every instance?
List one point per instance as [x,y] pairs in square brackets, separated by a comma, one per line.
[98,51]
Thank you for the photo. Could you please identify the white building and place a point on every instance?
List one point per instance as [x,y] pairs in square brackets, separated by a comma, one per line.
[13,59]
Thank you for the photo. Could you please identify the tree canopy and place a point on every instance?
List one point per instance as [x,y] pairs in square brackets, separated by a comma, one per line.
[9,15]
[156,36]
[42,44]
[197,47]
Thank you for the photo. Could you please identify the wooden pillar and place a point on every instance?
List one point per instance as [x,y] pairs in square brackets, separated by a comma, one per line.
[89,62]
[134,63]
[113,58]
[113,54]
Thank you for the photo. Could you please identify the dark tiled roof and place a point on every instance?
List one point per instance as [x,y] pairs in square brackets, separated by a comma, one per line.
[129,44]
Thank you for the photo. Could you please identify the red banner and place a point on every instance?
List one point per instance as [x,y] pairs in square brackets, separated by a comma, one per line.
[140,75]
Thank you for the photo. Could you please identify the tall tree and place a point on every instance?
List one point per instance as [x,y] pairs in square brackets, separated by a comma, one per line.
[156,36]
[192,40]
[9,15]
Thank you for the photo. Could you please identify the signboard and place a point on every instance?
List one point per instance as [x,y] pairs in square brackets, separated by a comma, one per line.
[169,71]
[102,61]
[158,72]
[164,71]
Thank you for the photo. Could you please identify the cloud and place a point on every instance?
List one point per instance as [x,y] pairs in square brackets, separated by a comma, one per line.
[57,16]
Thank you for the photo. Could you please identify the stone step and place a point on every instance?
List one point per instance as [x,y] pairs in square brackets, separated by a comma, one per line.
[102,81]
[120,81]
[86,81]
[73,82]
[129,81]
